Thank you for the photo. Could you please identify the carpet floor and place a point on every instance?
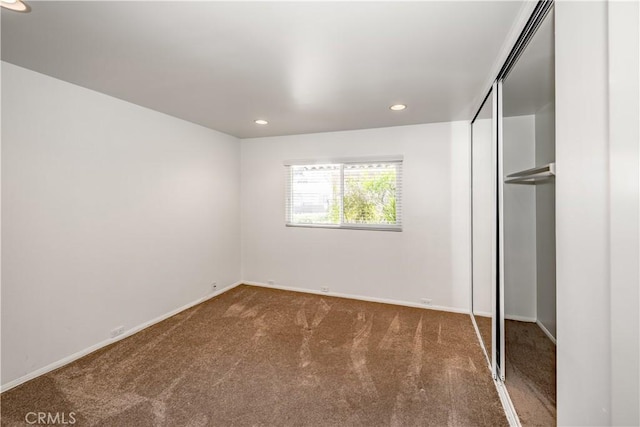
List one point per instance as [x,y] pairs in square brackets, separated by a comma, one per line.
[530,374]
[256,356]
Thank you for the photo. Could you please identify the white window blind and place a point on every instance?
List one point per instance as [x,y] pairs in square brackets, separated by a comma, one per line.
[365,194]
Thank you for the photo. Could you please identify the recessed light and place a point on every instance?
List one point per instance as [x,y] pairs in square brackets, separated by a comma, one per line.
[15,5]
[261,122]
[398,107]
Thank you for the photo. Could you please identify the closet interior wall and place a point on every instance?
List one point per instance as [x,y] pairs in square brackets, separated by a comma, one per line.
[529,221]
[545,149]
[519,213]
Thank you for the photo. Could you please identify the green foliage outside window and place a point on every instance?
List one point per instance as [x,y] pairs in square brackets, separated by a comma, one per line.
[368,199]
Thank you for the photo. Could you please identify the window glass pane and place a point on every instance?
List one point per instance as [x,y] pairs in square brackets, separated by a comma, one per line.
[315,194]
[370,193]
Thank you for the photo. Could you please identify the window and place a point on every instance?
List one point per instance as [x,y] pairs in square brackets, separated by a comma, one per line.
[361,194]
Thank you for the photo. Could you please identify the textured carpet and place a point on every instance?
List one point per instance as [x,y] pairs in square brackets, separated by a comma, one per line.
[255,356]
[530,374]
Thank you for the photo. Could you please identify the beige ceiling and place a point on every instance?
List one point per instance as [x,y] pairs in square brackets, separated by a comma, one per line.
[304,66]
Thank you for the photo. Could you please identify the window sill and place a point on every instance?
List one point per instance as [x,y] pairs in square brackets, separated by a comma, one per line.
[349,227]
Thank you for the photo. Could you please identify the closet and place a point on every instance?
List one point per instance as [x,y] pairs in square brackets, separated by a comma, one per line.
[513,224]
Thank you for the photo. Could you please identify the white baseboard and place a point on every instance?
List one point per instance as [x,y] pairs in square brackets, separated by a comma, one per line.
[75,356]
[546,332]
[359,297]
[483,314]
[520,318]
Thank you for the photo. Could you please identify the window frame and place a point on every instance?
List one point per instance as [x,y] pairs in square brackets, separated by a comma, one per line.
[342,162]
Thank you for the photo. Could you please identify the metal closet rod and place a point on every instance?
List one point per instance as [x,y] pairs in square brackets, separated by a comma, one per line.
[533,175]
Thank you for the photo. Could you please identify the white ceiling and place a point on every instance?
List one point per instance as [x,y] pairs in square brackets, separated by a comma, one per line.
[304,66]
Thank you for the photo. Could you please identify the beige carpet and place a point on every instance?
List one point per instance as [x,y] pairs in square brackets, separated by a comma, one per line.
[530,375]
[255,356]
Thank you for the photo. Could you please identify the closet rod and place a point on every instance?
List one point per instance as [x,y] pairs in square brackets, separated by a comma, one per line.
[533,175]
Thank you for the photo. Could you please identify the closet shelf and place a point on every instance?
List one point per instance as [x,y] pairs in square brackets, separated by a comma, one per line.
[532,176]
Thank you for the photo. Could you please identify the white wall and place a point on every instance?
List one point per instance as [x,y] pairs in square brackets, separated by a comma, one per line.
[519,220]
[483,239]
[624,166]
[582,215]
[428,259]
[112,214]
[546,221]
[597,212]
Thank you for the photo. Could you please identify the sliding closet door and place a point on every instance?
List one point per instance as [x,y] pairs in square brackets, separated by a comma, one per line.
[499,301]
[526,209]
[513,223]
[484,224]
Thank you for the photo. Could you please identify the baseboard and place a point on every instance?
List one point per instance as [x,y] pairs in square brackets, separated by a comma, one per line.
[75,356]
[520,318]
[483,314]
[358,297]
[546,332]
